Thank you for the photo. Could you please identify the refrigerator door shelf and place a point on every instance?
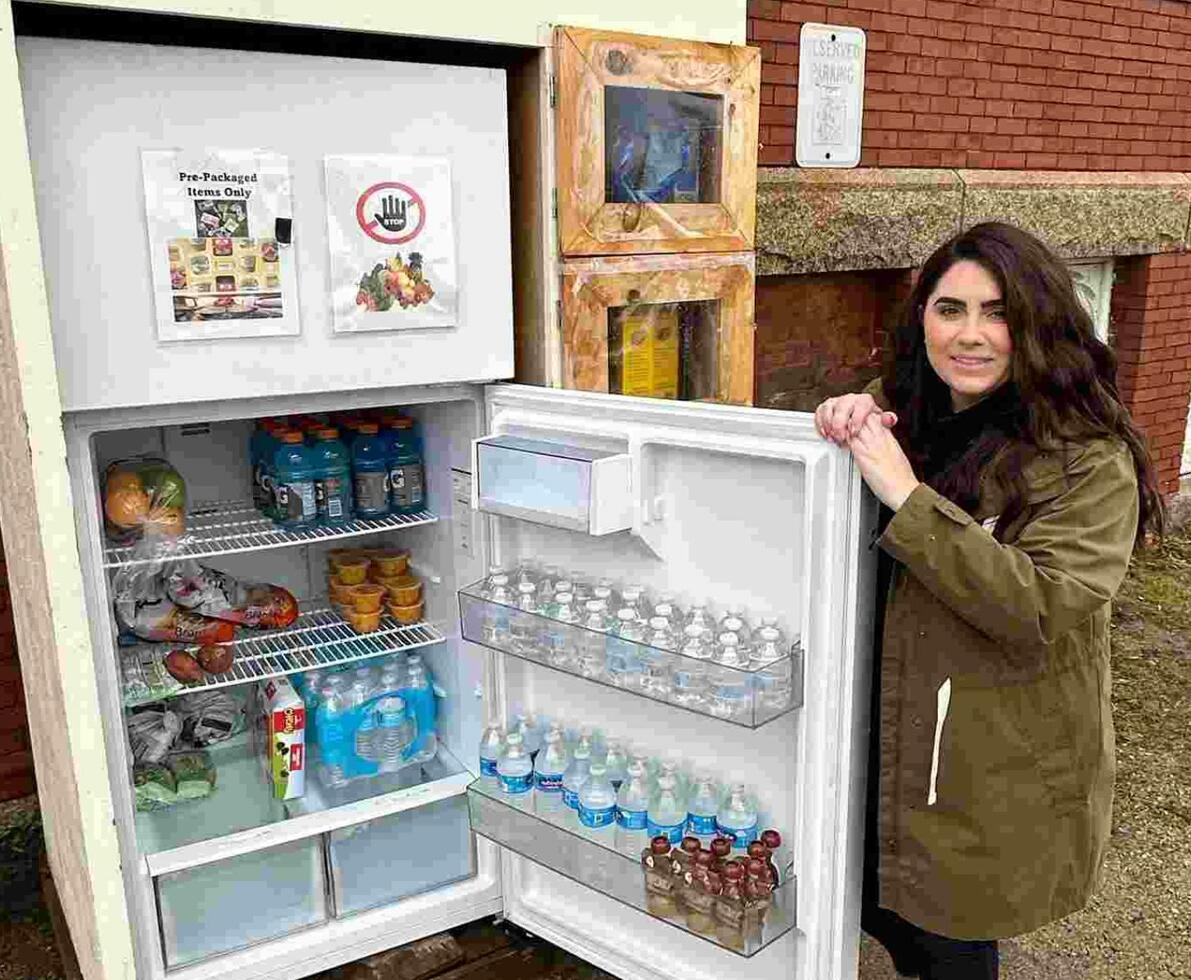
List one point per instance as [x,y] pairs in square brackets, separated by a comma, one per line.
[241,816]
[234,527]
[317,639]
[749,698]
[566,486]
[558,842]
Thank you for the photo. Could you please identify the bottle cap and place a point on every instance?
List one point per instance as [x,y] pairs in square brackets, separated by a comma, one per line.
[626,615]
[291,436]
[660,844]
[326,432]
[704,859]
[368,428]
[691,845]
[771,839]
[721,847]
[659,623]
[755,868]
[403,422]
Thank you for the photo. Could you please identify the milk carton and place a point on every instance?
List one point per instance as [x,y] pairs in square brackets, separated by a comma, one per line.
[281,728]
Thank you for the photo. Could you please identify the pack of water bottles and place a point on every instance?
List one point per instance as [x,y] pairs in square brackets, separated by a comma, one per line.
[727,662]
[610,789]
[327,470]
[370,719]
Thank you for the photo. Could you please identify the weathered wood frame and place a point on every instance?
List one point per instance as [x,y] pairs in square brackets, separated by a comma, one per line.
[586,62]
[591,286]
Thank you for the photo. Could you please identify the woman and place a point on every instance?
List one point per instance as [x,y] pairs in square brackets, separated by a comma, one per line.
[1018,488]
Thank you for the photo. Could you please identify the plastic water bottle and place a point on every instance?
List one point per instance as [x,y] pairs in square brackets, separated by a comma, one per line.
[698,616]
[666,816]
[524,625]
[333,749]
[370,472]
[595,617]
[358,698]
[702,810]
[418,695]
[616,762]
[531,734]
[492,747]
[735,622]
[332,478]
[407,481]
[597,800]
[293,482]
[395,732]
[515,770]
[577,774]
[622,662]
[548,771]
[737,818]
[632,809]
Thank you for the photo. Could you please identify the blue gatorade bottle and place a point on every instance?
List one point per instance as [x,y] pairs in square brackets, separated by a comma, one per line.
[261,448]
[293,481]
[407,481]
[370,472]
[332,477]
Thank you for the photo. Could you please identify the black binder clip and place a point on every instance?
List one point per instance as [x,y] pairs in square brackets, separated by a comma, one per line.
[283,231]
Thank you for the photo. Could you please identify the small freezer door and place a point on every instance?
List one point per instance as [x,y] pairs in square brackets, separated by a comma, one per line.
[92,107]
[744,507]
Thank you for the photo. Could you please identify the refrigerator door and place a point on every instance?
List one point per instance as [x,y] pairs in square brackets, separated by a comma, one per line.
[735,507]
[92,108]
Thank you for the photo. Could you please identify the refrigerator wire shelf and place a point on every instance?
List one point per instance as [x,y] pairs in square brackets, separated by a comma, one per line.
[318,638]
[557,841]
[233,527]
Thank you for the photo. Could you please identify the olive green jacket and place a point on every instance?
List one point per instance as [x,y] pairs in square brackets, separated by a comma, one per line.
[997,756]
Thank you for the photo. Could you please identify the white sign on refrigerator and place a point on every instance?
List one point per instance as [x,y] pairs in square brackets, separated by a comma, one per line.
[392,238]
[218,268]
[830,95]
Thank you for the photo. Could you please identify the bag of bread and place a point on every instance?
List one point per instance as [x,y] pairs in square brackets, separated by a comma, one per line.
[213,593]
[143,497]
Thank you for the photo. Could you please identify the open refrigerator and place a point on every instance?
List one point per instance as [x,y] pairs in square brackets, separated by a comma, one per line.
[717,504]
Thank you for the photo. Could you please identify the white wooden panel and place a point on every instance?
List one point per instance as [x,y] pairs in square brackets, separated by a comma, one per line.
[92,107]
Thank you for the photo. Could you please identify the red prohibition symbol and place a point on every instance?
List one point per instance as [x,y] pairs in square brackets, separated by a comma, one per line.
[372,225]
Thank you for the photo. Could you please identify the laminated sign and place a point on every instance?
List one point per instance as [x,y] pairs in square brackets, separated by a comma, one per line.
[392,239]
[218,223]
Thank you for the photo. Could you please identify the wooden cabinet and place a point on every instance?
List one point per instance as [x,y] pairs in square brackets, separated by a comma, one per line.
[655,144]
[659,326]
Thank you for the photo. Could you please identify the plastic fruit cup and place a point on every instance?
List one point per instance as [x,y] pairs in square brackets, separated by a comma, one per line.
[366,598]
[336,556]
[389,564]
[406,614]
[353,571]
[338,591]
[363,622]
[404,590]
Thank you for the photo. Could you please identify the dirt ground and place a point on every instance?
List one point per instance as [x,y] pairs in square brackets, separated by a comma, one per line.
[1138,927]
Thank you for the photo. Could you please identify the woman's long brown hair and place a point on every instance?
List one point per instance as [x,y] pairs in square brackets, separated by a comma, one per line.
[1065,376]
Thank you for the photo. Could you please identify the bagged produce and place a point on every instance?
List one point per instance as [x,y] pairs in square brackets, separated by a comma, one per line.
[144,609]
[194,773]
[152,732]
[154,787]
[213,593]
[143,676]
[210,717]
[143,498]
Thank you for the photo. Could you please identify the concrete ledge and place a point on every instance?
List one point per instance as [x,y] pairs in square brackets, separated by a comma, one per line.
[869,218]
[1081,214]
[834,220]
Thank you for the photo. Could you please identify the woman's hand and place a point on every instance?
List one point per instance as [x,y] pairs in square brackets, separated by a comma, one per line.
[882,463]
[839,419]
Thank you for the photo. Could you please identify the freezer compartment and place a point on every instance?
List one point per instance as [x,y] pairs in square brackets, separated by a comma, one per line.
[557,841]
[381,861]
[564,486]
[239,902]
[741,696]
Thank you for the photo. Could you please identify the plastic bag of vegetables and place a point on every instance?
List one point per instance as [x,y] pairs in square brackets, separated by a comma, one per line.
[143,496]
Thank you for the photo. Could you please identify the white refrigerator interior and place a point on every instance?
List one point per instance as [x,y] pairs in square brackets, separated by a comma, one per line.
[91,107]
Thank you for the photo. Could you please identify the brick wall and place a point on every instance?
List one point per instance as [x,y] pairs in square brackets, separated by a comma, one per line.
[1151,324]
[822,335]
[16,758]
[1019,84]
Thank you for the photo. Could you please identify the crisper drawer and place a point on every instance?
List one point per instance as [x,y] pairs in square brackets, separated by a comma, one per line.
[390,858]
[244,900]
